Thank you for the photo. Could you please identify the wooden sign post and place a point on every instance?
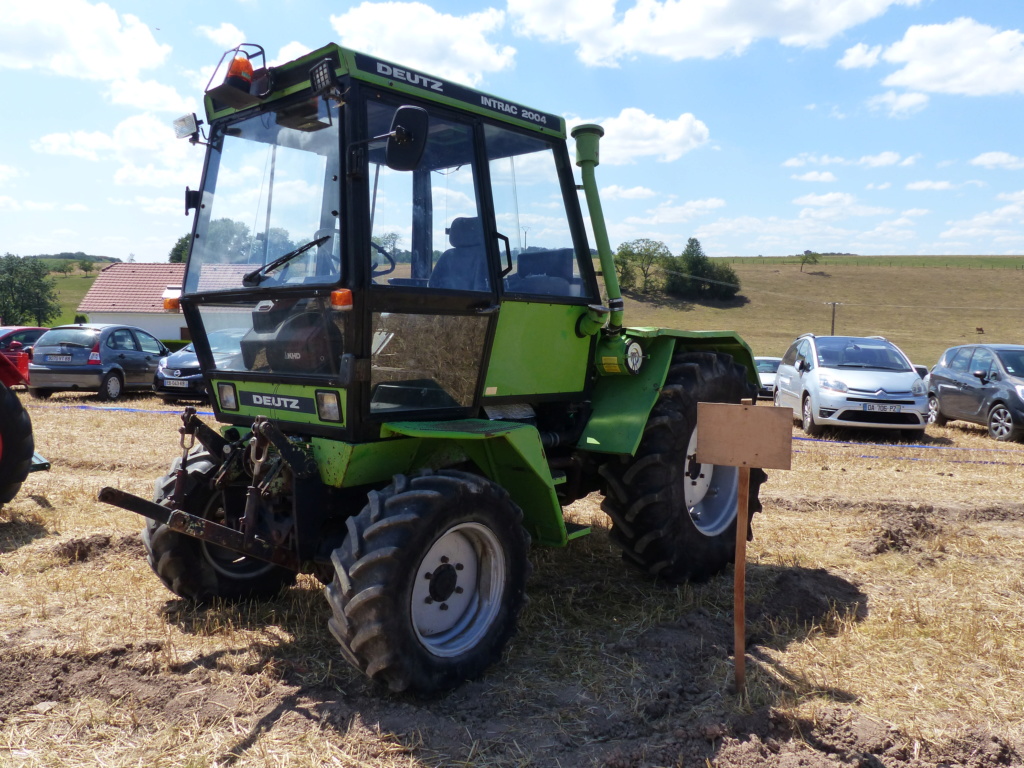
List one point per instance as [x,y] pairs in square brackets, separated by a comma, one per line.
[743,436]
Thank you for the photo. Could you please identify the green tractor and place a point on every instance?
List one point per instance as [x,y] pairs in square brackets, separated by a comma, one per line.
[17,445]
[408,393]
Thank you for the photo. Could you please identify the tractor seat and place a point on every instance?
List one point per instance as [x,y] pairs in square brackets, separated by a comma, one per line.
[463,267]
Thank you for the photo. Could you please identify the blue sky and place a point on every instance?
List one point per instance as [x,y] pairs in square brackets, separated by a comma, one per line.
[758,126]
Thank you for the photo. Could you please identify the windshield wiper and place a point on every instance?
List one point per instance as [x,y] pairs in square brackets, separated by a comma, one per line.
[257,276]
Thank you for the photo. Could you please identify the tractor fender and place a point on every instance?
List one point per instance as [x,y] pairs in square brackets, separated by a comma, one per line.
[622,404]
[508,453]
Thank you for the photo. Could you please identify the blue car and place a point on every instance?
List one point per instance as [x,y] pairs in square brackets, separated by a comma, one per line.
[94,357]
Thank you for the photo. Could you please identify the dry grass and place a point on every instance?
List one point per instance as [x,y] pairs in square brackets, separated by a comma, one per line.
[937,652]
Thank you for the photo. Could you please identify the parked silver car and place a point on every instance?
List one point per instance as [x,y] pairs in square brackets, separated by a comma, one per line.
[851,381]
[767,367]
[103,358]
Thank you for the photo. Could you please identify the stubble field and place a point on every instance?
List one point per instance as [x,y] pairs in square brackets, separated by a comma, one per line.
[885,628]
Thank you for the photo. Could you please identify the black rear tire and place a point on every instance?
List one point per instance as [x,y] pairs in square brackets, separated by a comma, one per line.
[430,581]
[810,426]
[16,444]
[673,518]
[192,568]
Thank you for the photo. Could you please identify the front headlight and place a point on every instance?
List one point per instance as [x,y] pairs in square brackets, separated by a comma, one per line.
[1020,390]
[161,364]
[827,382]
[918,387]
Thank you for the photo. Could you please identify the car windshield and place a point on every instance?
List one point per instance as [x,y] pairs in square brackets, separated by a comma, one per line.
[1013,361]
[69,337]
[844,352]
[768,366]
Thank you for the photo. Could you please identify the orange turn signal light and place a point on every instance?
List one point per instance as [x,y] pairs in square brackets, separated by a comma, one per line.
[173,304]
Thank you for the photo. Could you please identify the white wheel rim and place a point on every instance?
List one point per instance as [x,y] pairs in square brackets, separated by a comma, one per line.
[457,589]
[710,492]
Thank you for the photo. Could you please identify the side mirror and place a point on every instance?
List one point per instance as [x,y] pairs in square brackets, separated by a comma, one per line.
[803,366]
[922,370]
[15,346]
[408,138]
[981,376]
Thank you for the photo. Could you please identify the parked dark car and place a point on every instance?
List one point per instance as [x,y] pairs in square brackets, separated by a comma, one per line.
[19,338]
[104,358]
[179,375]
[981,383]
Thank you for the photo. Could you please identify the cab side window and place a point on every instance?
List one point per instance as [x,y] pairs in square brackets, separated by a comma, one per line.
[539,255]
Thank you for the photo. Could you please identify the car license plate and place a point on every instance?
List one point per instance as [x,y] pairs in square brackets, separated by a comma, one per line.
[175,383]
[58,358]
[882,408]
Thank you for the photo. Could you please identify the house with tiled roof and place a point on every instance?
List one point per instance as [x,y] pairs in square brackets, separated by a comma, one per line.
[133,294]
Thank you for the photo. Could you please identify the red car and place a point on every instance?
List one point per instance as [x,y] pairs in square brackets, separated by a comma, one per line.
[16,341]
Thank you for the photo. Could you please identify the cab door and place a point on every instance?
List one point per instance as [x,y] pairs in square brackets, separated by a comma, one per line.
[429,270]
[547,277]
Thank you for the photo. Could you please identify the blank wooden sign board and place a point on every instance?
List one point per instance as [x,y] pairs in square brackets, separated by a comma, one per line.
[743,436]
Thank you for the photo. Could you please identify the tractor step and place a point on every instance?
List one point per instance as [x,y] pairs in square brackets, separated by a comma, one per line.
[38,463]
[576,530]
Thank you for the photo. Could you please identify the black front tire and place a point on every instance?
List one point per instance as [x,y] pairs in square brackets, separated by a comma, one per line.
[430,581]
[810,426]
[673,518]
[1001,424]
[16,444]
[194,569]
[935,412]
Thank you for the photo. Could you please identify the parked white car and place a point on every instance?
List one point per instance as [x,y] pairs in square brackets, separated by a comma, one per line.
[850,381]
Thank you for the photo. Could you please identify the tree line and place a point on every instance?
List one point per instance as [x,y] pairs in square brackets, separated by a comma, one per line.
[648,266]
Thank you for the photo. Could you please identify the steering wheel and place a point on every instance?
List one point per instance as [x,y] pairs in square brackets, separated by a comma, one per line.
[374,272]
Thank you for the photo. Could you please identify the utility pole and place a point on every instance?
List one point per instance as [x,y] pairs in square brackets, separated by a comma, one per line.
[834,305]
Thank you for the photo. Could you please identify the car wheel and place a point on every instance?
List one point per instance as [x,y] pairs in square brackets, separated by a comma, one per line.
[935,413]
[111,386]
[40,394]
[1000,423]
[810,427]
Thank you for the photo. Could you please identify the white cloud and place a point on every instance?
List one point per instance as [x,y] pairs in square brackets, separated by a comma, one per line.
[1001,225]
[615,192]
[999,160]
[809,158]
[78,40]
[915,212]
[815,176]
[860,57]
[289,52]
[882,185]
[142,148]
[683,30]
[7,173]
[226,35]
[911,159]
[961,57]
[930,185]
[835,205]
[454,47]
[150,95]
[634,134]
[670,213]
[880,160]
[899,104]
[87,146]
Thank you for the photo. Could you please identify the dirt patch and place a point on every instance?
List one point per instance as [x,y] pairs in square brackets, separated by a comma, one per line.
[900,530]
[80,550]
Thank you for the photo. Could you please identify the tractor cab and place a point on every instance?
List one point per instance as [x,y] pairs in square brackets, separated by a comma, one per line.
[387,246]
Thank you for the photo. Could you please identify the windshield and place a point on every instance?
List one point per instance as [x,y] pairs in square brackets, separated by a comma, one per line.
[768,366]
[71,337]
[271,187]
[844,352]
[1013,361]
